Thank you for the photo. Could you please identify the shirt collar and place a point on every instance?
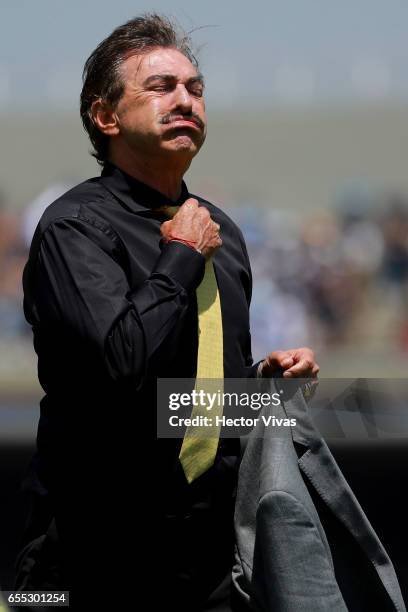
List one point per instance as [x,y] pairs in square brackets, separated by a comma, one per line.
[136,195]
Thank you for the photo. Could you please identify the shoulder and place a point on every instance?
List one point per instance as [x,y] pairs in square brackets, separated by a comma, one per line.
[74,212]
[74,203]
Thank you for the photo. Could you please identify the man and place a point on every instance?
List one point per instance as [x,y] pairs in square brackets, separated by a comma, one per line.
[112,293]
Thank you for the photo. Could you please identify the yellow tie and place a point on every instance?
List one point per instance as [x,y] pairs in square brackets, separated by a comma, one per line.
[200,443]
[3,606]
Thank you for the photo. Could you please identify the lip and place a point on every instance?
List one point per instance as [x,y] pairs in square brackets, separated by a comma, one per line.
[184,123]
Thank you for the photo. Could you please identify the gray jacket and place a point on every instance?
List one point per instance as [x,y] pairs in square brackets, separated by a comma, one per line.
[303,542]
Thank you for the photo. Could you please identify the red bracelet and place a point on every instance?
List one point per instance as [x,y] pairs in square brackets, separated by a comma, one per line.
[189,243]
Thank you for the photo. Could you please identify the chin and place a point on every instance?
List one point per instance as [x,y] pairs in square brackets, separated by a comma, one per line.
[184,140]
[183,144]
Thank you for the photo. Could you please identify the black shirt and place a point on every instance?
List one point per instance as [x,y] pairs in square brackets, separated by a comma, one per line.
[112,309]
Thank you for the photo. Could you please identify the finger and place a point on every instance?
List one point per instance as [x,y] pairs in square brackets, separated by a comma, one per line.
[204,212]
[285,361]
[191,203]
[280,359]
[303,368]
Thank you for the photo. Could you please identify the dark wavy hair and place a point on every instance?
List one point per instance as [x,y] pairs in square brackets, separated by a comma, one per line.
[102,76]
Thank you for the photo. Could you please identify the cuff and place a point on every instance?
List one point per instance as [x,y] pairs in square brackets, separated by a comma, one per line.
[258,369]
[181,263]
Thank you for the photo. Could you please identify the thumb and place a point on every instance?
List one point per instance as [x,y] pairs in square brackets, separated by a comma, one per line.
[165,228]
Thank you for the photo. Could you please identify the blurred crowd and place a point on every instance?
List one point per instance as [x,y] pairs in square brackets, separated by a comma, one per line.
[333,278]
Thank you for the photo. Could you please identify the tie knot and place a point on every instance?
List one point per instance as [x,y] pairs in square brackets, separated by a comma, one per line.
[170,211]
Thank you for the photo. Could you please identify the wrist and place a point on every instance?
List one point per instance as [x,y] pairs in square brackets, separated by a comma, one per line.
[190,243]
[181,263]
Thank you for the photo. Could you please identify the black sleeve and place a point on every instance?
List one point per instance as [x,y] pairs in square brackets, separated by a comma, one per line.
[80,286]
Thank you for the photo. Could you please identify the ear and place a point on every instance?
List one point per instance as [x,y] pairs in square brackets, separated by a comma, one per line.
[104,117]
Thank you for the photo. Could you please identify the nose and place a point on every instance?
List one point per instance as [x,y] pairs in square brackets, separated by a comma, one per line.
[183,99]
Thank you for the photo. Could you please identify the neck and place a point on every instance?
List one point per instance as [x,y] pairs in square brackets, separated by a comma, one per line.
[164,174]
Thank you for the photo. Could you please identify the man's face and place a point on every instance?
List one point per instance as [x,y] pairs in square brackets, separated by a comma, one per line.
[162,109]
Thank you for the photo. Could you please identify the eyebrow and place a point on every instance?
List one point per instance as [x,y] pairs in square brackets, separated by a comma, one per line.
[171,77]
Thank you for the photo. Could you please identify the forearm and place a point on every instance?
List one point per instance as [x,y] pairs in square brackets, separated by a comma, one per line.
[155,308]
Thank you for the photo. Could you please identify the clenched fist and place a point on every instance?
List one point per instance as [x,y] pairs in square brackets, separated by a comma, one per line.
[293,363]
[193,224]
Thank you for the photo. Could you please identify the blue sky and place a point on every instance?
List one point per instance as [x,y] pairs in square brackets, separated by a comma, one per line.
[253,54]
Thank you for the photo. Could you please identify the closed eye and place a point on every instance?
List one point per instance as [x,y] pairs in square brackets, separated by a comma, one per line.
[162,87]
[196,91]
[166,83]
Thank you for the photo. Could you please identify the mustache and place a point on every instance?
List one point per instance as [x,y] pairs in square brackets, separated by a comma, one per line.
[172,116]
